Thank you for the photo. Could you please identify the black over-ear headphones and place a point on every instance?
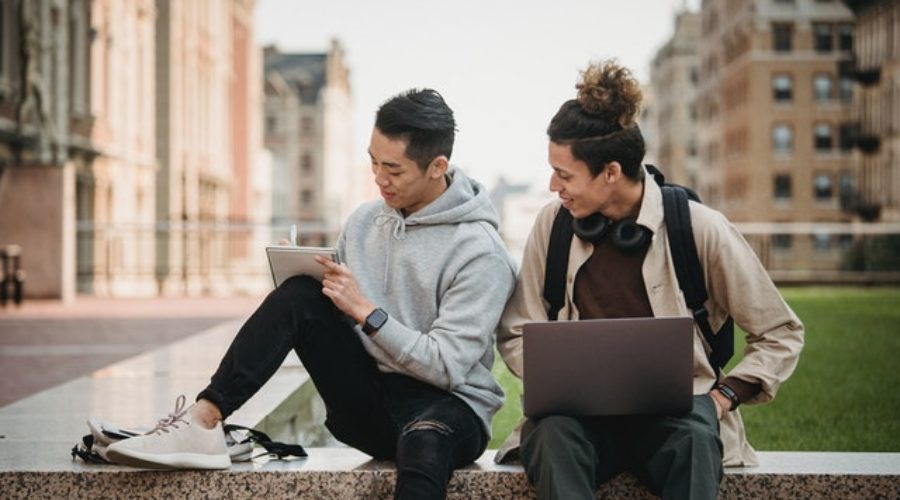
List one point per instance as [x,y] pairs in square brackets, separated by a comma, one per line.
[626,234]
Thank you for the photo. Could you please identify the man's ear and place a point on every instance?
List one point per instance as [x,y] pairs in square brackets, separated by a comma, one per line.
[438,167]
[613,171]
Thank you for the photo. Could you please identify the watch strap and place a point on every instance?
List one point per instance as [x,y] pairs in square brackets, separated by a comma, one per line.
[729,393]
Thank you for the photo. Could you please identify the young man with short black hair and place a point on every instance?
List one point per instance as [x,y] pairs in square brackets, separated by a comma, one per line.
[398,339]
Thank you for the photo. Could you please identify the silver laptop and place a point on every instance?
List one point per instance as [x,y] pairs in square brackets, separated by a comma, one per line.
[623,366]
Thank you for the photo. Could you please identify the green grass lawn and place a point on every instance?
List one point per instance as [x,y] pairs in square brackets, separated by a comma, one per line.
[845,393]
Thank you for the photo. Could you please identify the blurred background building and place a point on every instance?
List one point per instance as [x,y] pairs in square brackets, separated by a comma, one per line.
[672,121]
[875,66]
[307,116]
[151,147]
[774,135]
[45,135]
[115,193]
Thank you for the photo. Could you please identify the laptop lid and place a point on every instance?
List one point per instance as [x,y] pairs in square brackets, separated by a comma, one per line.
[622,366]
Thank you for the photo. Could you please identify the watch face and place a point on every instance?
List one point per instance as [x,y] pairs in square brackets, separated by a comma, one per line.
[377,319]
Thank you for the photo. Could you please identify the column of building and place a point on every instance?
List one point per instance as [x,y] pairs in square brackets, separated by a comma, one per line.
[45,131]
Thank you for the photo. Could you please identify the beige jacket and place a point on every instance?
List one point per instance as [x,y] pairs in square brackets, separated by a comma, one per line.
[737,284]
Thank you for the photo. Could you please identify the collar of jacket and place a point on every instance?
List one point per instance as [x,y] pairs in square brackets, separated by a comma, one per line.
[651,213]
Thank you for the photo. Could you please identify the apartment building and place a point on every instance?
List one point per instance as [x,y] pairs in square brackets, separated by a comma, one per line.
[875,66]
[674,77]
[775,139]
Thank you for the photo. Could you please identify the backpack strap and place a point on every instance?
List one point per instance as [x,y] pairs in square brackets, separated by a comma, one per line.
[281,450]
[688,270]
[558,262]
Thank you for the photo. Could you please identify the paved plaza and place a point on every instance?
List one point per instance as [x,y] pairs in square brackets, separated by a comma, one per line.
[46,343]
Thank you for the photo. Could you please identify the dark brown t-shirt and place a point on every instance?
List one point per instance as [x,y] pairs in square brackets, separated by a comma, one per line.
[610,284]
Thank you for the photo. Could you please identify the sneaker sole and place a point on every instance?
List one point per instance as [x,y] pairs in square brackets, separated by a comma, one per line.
[169,460]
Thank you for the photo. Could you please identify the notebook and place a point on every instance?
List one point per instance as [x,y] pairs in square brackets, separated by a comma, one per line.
[623,366]
[288,261]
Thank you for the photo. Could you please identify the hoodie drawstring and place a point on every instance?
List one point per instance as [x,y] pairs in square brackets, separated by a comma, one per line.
[398,233]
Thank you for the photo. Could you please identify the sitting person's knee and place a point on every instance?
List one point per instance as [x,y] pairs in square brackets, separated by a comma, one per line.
[424,440]
[548,429]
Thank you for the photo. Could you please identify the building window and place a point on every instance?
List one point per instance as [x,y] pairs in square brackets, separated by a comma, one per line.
[823,139]
[845,241]
[823,37]
[782,242]
[306,197]
[306,126]
[782,187]
[272,124]
[845,37]
[845,184]
[782,34]
[823,189]
[847,138]
[306,163]
[782,87]
[782,138]
[845,88]
[821,242]
[822,87]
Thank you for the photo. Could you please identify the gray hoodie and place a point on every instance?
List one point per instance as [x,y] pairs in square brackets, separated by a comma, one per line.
[443,275]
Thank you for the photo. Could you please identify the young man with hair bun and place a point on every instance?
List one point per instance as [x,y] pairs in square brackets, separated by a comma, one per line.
[595,152]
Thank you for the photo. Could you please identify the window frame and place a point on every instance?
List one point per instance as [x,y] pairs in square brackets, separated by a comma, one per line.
[823,143]
[777,145]
[786,43]
[782,189]
[783,95]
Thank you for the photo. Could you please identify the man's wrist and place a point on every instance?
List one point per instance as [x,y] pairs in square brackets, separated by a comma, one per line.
[374,321]
[729,395]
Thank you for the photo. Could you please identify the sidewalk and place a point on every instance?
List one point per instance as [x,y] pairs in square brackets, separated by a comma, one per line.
[46,343]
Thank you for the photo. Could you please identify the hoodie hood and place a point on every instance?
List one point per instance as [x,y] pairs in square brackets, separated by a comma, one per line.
[465,200]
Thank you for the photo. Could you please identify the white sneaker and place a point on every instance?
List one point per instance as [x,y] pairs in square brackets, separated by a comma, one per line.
[176,443]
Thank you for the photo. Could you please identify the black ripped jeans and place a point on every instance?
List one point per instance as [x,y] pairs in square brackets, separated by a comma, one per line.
[426,430]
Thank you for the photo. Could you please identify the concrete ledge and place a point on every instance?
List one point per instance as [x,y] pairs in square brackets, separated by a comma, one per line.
[347,473]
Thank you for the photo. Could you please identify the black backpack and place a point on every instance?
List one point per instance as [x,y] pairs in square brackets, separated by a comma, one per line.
[684,253]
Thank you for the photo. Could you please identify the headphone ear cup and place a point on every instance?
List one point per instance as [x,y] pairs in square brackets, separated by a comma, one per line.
[630,236]
[592,228]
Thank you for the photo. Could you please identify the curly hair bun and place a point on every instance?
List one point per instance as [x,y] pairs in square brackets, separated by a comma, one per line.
[610,92]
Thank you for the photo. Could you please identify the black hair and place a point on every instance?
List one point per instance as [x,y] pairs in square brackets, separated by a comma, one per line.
[599,125]
[423,120]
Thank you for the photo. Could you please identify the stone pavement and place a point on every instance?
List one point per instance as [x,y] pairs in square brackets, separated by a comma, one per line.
[47,343]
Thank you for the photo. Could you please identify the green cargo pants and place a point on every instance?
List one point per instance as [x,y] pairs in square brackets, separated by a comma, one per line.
[675,457]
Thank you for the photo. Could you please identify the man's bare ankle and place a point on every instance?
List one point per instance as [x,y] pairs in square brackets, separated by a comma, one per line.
[206,414]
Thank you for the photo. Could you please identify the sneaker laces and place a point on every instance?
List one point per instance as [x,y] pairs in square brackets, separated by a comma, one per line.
[172,420]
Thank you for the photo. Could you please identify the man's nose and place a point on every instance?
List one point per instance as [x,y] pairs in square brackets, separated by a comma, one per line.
[381,177]
[554,186]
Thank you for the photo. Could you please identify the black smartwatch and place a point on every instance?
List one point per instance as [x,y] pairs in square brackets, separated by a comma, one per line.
[729,393]
[374,321]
